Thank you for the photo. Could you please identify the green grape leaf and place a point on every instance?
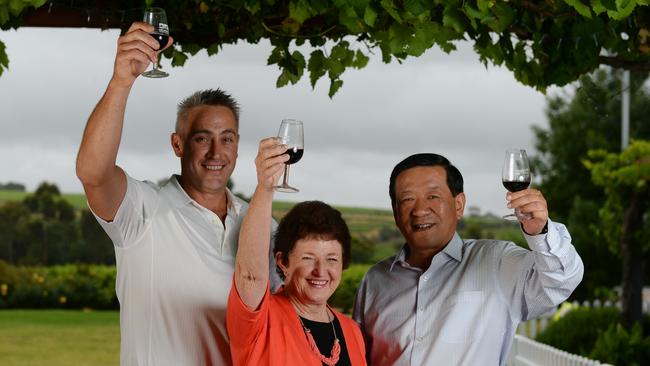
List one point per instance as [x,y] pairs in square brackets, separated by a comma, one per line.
[451,17]
[360,60]
[178,58]
[389,6]
[348,17]
[335,85]
[299,11]
[370,16]
[214,48]
[316,66]
[581,8]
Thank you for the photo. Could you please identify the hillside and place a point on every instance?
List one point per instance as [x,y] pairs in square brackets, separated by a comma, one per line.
[374,227]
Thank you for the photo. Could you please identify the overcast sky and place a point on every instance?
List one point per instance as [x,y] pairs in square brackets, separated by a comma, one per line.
[448,104]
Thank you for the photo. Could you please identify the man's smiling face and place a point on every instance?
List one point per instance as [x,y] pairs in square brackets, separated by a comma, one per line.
[207,145]
[425,210]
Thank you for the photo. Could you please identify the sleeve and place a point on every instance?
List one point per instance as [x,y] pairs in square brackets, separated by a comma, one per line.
[133,215]
[245,326]
[535,281]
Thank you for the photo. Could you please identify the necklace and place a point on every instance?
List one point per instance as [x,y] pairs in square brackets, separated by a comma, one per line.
[336,348]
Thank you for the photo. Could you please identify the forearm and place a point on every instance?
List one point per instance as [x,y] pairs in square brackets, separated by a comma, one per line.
[557,270]
[252,261]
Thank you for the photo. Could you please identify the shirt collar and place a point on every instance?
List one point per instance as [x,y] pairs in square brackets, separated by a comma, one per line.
[180,198]
[453,249]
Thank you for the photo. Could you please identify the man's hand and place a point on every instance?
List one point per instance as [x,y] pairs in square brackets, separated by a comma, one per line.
[532,203]
[136,49]
[269,162]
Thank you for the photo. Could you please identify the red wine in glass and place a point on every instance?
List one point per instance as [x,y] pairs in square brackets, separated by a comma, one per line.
[291,134]
[295,154]
[515,176]
[161,38]
[158,19]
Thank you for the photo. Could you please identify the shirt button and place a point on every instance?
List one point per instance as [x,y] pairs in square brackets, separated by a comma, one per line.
[419,339]
[421,309]
[425,277]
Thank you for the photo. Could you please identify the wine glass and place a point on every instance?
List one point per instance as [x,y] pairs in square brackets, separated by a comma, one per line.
[158,18]
[291,134]
[516,177]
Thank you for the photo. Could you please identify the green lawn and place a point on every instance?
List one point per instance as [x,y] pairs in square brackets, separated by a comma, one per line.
[59,337]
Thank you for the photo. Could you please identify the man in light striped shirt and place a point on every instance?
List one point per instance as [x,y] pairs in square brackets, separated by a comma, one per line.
[443,300]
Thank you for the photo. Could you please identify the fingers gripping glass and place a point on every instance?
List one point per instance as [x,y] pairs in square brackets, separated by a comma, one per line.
[291,134]
[158,19]
[516,177]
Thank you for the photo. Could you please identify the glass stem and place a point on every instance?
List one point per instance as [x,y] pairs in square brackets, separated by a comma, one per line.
[285,180]
[155,64]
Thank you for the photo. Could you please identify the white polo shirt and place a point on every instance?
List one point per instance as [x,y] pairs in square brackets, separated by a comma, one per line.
[175,262]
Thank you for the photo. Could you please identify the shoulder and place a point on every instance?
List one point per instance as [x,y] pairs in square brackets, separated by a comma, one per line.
[382,267]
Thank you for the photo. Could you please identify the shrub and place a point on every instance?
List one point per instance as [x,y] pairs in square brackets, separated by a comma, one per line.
[618,347]
[65,286]
[597,333]
[577,331]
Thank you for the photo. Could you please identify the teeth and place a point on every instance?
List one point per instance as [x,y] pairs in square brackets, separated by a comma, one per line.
[422,226]
[214,167]
[318,283]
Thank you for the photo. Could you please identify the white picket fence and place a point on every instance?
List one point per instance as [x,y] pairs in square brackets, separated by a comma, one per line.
[527,352]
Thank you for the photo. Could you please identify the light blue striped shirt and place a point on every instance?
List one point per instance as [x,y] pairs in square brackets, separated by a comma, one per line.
[464,309]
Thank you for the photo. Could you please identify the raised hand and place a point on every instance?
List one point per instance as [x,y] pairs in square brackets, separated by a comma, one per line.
[269,162]
[532,203]
[136,49]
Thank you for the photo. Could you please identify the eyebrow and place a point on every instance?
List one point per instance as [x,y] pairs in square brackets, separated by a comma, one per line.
[208,132]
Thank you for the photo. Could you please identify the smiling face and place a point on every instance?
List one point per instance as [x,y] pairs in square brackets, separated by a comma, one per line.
[425,210]
[207,144]
[312,270]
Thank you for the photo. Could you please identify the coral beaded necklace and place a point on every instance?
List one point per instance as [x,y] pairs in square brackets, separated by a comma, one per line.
[336,347]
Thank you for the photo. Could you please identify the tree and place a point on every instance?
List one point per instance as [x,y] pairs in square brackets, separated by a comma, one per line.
[51,224]
[12,218]
[543,43]
[587,118]
[95,246]
[13,186]
[624,217]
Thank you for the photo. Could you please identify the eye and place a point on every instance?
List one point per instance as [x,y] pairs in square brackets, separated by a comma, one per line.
[432,197]
[228,140]
[406,199]
[333,259]
[201,139]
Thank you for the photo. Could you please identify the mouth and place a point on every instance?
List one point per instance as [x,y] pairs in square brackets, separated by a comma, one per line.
[214,167]
[421,227]
[317,283]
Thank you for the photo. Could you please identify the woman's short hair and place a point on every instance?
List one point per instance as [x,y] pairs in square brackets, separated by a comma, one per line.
[311,220]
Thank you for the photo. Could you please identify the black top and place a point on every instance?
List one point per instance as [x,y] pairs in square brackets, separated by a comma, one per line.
[324,337]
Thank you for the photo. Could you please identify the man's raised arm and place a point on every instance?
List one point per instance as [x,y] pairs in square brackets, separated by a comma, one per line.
[103,181]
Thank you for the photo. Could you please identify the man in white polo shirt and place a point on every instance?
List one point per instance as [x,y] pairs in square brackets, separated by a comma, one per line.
[175,245]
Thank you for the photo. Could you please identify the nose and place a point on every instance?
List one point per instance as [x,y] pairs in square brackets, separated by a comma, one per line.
[214,150]
[420,208]
[319,267]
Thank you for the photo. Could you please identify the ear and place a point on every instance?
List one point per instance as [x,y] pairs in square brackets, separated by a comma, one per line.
[177,144]
[460,204]
[278,262]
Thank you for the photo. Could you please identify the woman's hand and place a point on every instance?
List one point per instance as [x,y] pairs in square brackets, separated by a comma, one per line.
[269,162]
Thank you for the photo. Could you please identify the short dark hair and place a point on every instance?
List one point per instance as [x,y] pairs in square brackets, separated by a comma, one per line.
[207,97]
[454,178]
[311,220]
